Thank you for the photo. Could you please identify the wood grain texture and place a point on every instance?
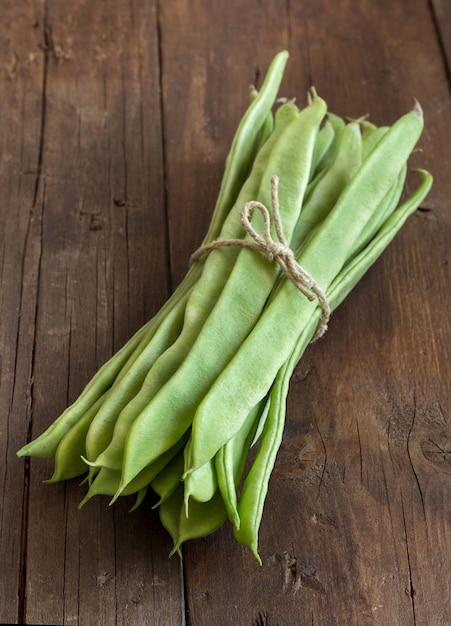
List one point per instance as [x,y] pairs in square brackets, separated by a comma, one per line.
[116,120]
[21,72]
[442,15]
[94,262]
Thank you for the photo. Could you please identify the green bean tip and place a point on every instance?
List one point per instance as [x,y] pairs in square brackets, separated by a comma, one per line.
[359,120]
[422,171]
[284,100]
[417,109]
[312,94]
[176,550]
[82,502]
[90,463]
[116,496]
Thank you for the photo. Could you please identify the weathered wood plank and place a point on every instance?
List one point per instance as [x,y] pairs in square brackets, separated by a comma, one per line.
[102,274]
[21,72]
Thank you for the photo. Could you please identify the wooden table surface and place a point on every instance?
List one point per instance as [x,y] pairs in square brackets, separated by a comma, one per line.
[116,118]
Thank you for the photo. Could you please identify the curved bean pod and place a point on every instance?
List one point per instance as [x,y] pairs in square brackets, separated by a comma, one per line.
[169,512]
[387,206]
[201,486]
[371,139]
[72,447]
[170,477]
[322,197]
[338,124]
[204,518]
[240,155]
[323,144]
[230,461]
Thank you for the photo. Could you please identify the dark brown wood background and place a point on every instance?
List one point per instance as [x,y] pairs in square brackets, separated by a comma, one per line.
[115,120]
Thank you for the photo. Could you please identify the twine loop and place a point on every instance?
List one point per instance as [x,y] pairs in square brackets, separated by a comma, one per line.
[275,251]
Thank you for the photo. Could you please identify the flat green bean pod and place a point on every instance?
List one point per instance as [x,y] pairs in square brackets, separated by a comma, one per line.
[323,144]
[322,197]
[338,124]
[170,477]
[204,518]
[230,461]
[169,512]
[72,447]
[370,140]
[387,206]
[201,485]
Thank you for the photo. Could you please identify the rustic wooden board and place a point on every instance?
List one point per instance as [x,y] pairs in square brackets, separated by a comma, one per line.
[85,228]
[116,120]
[21,74]
[102,274]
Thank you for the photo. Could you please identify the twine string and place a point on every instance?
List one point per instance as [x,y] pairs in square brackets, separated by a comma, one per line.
[275,251]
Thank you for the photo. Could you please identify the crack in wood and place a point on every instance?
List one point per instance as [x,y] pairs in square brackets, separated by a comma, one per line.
[298,574]
[410,589]
[409,454]
[263,619]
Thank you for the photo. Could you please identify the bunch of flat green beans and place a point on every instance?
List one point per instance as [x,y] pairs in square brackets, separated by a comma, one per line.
[181,405]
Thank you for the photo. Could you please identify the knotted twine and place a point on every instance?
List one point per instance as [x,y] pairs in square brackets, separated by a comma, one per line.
[275,251]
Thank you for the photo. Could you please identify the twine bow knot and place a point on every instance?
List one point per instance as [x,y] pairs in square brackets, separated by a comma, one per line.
[275,251]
